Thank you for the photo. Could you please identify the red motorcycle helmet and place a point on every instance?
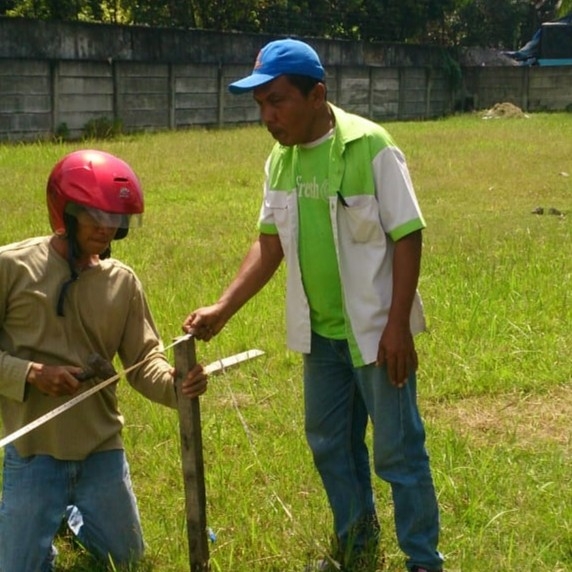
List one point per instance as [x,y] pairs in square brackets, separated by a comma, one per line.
[98,181]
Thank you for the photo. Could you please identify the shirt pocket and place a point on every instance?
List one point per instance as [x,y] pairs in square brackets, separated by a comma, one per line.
[361,217]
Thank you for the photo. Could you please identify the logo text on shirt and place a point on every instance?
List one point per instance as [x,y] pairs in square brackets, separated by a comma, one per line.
[312,189]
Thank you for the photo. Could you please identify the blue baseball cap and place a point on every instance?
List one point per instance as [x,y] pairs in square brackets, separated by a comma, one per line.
[278,58]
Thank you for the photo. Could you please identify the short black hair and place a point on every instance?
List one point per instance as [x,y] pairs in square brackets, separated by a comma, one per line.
[304,83]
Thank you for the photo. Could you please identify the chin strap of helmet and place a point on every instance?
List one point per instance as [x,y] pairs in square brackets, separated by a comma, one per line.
[73,254]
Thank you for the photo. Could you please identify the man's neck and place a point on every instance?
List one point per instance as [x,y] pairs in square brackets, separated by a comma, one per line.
[323,123]
[83,262]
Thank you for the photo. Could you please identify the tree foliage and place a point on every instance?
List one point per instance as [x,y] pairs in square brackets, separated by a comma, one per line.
[494,23]
[565,8]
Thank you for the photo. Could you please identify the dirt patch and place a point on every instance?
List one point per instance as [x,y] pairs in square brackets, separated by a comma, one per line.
[504,110]
[526,420]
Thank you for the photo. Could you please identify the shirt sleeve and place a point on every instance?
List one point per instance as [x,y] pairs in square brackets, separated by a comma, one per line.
[13,370]
[399,210]
[141,343]
[266,222]
[13,374]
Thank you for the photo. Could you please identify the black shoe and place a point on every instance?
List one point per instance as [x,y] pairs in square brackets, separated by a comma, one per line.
[349,558]
[421,569]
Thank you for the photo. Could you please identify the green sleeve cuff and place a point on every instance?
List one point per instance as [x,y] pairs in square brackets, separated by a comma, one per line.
[267,228]
[407,228]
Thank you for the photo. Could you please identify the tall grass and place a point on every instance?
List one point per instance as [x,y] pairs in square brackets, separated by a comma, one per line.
[495,366]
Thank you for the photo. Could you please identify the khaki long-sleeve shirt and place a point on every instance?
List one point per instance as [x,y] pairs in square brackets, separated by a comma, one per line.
[105,312]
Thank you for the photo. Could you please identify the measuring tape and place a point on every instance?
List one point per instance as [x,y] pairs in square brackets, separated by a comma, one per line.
[214,367]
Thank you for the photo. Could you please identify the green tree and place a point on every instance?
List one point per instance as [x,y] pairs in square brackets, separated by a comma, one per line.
[565,8]
[503,24]
[6,6]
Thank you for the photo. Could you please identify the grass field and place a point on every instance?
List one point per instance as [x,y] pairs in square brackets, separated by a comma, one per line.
[495,377]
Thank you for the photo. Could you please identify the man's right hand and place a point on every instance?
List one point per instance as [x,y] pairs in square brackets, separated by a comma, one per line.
[54,380]
[256,269]
[205,323]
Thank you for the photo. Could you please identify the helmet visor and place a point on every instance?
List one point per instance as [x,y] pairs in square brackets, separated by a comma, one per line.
[104,218]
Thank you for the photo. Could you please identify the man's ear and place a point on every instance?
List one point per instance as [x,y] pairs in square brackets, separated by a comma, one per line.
[318,94]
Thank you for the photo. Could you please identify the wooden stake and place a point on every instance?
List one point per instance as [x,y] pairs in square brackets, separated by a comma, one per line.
[192,460]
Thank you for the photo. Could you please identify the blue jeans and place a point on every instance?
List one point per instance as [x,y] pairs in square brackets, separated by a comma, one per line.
[39,490]
[339,400]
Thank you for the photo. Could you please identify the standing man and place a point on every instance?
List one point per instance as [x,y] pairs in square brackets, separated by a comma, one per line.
[63,298]
[340,208]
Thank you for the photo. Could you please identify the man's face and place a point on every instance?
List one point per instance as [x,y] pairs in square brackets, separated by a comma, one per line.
[289,115]
[94,233]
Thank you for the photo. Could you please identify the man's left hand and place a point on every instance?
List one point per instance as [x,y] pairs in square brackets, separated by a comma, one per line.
[397,352]
[195,383]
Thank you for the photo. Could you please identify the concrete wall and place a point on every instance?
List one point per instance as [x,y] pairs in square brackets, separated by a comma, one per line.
[57,77]
[37,39]
[39,98]
[530,88]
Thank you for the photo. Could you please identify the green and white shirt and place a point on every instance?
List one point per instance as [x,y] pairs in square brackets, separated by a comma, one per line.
[338,206]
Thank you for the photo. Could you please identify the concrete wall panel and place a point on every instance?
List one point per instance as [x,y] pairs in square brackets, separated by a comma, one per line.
[57,75]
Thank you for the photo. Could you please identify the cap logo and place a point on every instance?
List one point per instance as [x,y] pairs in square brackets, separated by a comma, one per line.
[258,62]
[124,193]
